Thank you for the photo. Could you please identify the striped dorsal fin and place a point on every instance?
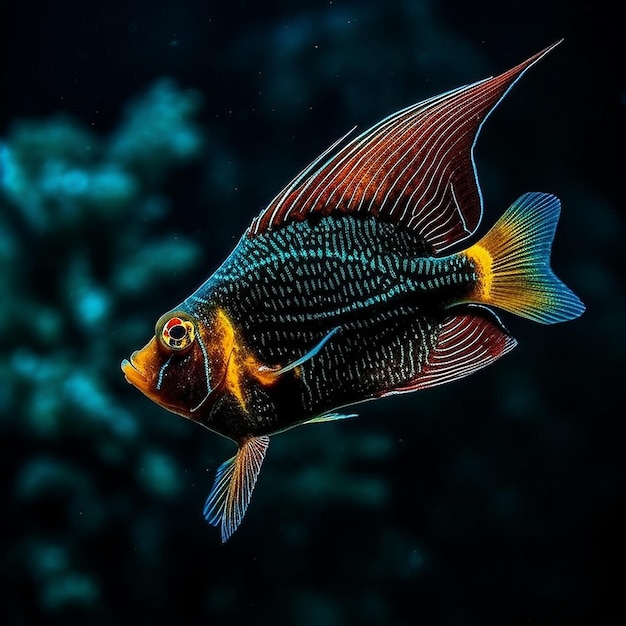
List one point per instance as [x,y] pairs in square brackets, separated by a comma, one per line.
[414,168]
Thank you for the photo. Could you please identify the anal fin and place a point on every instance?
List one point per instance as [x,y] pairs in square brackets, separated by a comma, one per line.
[467,342]
[233,486]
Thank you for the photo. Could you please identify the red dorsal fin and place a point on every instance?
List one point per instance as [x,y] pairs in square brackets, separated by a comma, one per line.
[414,168]
[467,343]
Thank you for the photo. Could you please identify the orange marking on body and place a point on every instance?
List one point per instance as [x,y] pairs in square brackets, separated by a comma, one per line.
[483,264]
[224,333]
[242,365]
[233,381]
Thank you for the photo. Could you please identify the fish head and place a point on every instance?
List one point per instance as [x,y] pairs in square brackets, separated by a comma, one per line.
[183,366]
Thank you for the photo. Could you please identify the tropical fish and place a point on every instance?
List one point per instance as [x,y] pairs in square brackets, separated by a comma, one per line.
[353,285]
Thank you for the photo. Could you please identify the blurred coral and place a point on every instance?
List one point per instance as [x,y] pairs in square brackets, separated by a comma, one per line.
[79,244]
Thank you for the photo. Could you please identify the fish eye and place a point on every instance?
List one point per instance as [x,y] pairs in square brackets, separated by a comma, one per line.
[176,331]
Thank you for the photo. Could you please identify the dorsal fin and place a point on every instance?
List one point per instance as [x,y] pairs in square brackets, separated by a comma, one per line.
[414,168]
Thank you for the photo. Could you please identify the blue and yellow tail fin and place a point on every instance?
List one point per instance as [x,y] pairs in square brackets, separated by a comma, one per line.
[513,263]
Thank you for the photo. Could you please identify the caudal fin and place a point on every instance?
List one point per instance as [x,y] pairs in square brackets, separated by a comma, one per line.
[513,263]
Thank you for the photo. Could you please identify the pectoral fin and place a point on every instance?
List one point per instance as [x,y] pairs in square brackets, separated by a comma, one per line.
[274,373]
[233,486]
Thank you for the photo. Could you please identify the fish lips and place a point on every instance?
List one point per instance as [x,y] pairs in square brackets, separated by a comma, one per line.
[133,375]
[141,370]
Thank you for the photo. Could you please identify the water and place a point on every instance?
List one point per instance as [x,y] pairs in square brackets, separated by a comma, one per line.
[136,143]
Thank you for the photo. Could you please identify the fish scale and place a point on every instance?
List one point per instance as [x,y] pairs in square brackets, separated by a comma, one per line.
[381,352]
[391,272]
[394,332]
[384,281]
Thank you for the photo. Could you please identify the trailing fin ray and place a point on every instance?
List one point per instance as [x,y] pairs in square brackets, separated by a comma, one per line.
[330,417]
[233,486]
[304,358]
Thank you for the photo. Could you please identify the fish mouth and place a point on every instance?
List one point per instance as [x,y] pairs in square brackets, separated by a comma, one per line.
[139,370]
[133,375]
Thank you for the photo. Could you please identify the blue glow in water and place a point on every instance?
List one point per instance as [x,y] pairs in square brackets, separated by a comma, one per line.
[160,473]
[10,178]
[93,306]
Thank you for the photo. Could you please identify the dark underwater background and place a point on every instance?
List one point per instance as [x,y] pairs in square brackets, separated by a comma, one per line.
[137,141]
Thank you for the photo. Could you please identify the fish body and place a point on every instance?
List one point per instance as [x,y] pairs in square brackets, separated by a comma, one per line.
[353,284]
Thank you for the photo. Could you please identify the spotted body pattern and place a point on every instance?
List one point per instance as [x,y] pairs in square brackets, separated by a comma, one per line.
[347,287]
[296,285]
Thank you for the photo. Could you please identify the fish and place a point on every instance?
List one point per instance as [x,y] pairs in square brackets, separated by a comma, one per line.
[355,283]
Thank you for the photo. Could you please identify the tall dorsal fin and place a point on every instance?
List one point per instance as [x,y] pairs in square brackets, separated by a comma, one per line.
[414,168]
